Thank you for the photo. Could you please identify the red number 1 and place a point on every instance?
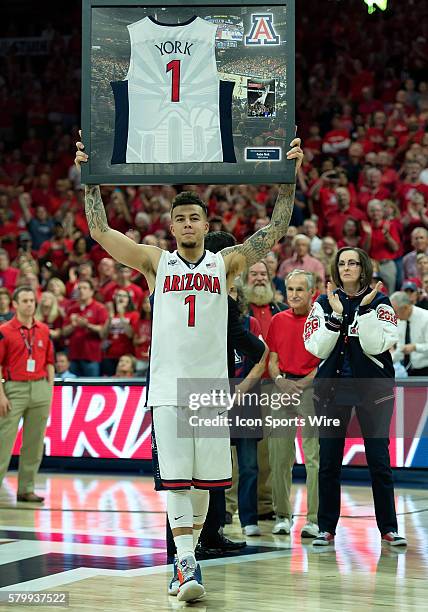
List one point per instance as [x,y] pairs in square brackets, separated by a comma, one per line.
[191,299]
[174,65]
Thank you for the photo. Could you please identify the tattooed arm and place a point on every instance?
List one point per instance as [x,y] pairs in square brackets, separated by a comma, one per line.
[259,244]
[138,256]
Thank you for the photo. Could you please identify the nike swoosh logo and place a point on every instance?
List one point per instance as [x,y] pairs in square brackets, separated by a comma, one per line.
[220,413]
[178,517]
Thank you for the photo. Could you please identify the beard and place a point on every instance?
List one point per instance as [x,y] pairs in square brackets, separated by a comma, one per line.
[260,295]
[189,243]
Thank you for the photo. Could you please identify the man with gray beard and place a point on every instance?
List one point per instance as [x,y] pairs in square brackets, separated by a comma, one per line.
[260,294]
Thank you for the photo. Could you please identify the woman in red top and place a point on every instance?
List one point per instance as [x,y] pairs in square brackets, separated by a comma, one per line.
[49,313]
[142,338]
[118,331]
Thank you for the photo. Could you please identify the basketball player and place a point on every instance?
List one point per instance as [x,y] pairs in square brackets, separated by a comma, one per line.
[262,99]
[189,290]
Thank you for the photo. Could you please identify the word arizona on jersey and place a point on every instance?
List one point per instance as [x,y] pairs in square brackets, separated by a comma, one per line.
[189,328]
[172,107]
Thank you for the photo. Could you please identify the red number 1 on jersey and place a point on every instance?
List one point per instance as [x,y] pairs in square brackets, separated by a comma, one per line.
[191,299]
[174,65]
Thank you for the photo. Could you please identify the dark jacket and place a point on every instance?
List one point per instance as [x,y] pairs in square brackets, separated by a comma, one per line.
[366,334]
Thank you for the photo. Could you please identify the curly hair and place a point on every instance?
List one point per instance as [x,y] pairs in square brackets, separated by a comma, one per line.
[188,197]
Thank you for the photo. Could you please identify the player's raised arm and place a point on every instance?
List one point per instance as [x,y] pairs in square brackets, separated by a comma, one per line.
[259,244]
[141,257]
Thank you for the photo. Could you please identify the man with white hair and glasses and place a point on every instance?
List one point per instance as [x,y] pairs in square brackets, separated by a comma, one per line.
[293,372]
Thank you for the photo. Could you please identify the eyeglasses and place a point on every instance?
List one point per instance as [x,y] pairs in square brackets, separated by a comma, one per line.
[350,264]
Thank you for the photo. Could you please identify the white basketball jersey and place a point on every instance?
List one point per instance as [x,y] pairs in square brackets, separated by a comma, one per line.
[189,330]
[172,106]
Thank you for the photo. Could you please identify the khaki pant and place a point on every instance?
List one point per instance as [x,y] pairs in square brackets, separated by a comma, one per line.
[282,454]
[30,401]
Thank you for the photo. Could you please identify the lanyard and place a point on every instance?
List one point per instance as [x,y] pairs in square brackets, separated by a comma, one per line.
[28,345]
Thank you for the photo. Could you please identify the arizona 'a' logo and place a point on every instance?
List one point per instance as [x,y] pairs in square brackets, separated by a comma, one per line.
[262,31]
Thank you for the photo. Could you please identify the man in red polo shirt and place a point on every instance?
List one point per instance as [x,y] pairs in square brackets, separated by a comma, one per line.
[293,369]
[27,365]
[84,325]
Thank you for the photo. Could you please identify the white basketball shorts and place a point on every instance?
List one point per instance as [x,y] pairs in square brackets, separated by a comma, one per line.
[182,459]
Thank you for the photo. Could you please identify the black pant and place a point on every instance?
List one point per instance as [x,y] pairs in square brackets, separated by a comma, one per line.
[374,421]
[418,372]
[215,519]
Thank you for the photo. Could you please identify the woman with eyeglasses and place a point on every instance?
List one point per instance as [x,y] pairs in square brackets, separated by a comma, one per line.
[352,330]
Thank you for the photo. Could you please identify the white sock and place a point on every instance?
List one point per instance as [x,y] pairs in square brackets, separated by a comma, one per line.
[200,501]
[184,545]
[196,534]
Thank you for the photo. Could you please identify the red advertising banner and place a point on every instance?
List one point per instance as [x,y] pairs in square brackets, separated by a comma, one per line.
[111,421]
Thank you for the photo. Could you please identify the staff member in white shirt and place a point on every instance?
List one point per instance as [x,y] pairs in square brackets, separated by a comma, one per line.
[412,347]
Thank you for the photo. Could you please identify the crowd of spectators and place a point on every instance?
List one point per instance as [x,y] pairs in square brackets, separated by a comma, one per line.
[362,112]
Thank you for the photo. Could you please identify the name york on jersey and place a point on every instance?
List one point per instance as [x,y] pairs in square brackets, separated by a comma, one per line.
[176,46]
[192,282]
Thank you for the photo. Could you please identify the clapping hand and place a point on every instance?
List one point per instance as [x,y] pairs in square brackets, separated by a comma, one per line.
[368,299]
[334,301]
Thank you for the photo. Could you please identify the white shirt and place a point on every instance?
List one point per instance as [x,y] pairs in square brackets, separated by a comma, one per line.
[418,336]
[316,244]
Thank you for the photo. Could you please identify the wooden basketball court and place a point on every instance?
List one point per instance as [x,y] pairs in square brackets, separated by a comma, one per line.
[101,539]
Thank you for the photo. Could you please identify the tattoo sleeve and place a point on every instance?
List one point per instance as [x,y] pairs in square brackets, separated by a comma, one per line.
[259,244]
[94,209]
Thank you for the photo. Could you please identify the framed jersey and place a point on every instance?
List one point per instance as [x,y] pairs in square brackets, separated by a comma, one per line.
[188,92]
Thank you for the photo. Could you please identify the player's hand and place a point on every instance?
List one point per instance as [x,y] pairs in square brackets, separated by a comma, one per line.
[368,299]
[5,406]
[296,153]
[80,153]
[408,348]
[334,301]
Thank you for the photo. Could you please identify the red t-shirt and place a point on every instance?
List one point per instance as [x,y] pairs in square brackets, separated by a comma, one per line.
[285,337]
[57,323]
[136,293]
[83,343]
[263,315]
[405,192]
[57,251]
[14,352]
[379,247]
[8,278]
[118,342]
[365,196]
[336,220]
[105,289]
[143,331]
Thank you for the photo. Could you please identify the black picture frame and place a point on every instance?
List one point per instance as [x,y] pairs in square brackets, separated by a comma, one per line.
[282,171]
